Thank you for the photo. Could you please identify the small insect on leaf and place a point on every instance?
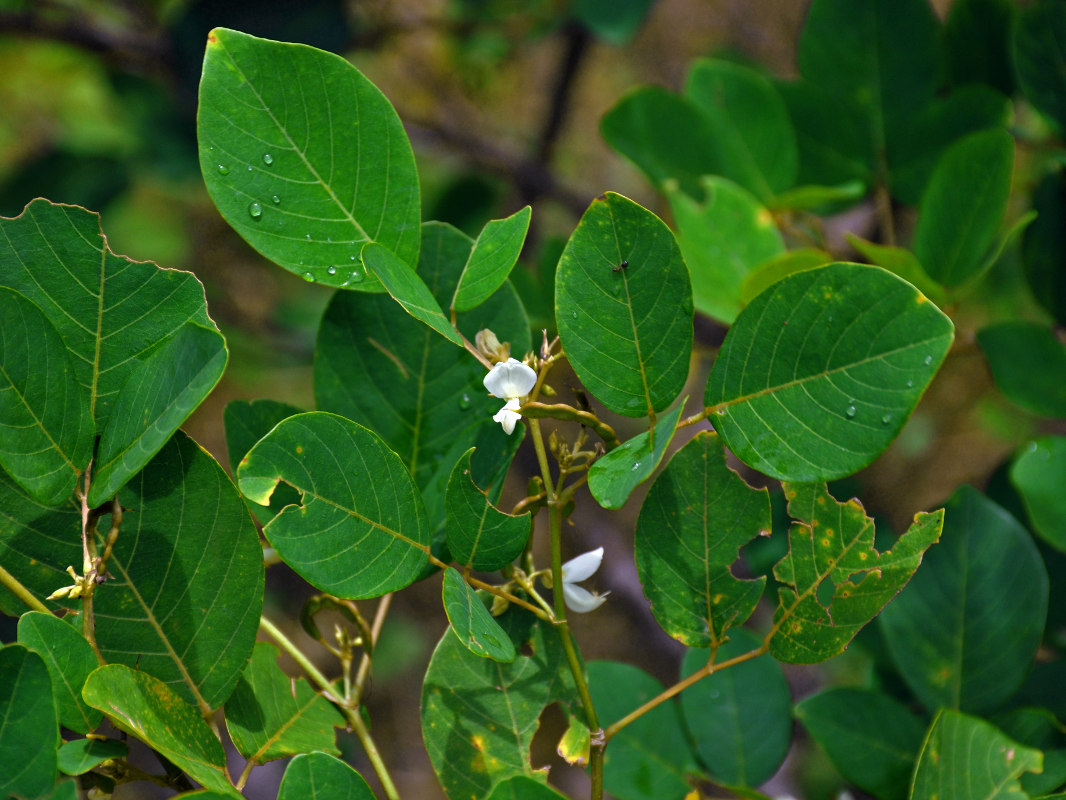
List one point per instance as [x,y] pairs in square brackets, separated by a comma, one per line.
[620,267]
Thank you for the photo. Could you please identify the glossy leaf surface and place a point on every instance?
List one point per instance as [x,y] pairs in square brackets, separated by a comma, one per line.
[696,517]
[1039,473]
[29,727]
[69,658]
[269,716]
[471,622]
[832,544]
[480,536]
[319,776]
[820,372]
[494,255]
[955,643]
[305,158]
[627,331]
[361,529]
[1027,362]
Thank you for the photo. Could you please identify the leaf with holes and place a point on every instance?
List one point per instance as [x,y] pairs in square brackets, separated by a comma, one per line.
[817,376]
[248,422]
[480,536]
[305,158]
[471,622]
[494,255]
[361,529]
[832,544]
[69,658]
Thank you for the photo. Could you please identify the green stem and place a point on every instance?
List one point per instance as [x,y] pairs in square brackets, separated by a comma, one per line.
[13,585]
[351,715]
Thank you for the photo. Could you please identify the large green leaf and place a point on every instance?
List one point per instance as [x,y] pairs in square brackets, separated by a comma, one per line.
[954,640]
[1039,474]
[113,314]
[1039,51]
[963,206]
[723,239]
[69,658]
[872,739]
[966,757]
[650,758]
[480,536]
[271,716]
[471,622]
[1027,361]
[479,716]
[148,709]
[305,158]
[361,529]
[494,255]
[741,717]
[46,425]
[186,591]
[820,372]
[623,305]
[695,518]
[831,544]
[318,776]
[752,140]
[29,727]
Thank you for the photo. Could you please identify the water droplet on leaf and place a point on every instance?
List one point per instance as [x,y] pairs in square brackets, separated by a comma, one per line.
[850,412]
[928,360]
[223,169]
[910,384]
[268,159]
[276,199]
[636,466]
[249,167]
[307,236]
[464,401]
[358,275]
[309,277]
[887,418]
[332,270]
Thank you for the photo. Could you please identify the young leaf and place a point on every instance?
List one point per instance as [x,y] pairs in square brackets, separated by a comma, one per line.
[623,304]
[832,544]
[494,255]
[69,659]
[956,743]
[81,755]
[269,716]
[695,518]
[741,717]
[361,528]
[480,536]
[146,708]
[722,239]
[820,372]
[305,158]
[650,758]
[46,424]
[186,587]
[872,739]
[953,640]
[1039,38]
[1027,362]
[472,623]
[29,727]
[1039,473]
[318,776]
[614,476]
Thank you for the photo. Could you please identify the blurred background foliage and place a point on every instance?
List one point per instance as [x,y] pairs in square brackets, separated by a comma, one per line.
[503,103]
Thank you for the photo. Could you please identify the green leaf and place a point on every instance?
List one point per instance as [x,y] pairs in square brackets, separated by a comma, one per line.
[81,755]
[1044,245]
[820,372]
[650,758]
[471,621]
[318,776]
[479,536]
[522,788]
[696,517]
[495,253]
[361,528]
[407,289]
[627,331]
[1039,729]
[963,207]
[46,424]
[810,197]
[1039,473]
[831,544]
[977,36]
[666,136]
[186,587]
[752,140]
[741,717]
[614,476]
[872,739]
[1027,362]
[29,727]
[723,239]
[902,262]
[955,642]
[147,708]
[160,393]
[248,422]
[1039,50]
[967,757]
[269,716]
[779,267]
[614,21]
[69,658]
[479,716]
[305,158]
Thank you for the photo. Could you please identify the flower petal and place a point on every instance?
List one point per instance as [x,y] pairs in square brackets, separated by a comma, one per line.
[581,600]
[582,566]
[508,416]
[510,378]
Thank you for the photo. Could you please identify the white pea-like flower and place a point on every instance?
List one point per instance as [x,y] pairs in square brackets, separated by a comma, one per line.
[578,569]
[510,380]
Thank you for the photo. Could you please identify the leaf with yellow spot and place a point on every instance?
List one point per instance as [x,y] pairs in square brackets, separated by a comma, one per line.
[831,545]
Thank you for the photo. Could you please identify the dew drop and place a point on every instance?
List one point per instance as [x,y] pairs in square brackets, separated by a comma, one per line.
[636,466]
[249,167]
[887,418]
[358,276]
[309,277]
[910,384]
[268,159]
[223,169]
[928,360]
[464,402]
[351,257]
[332,270]
[307,236]
[573,314]
[850,412]
[255,210]
[276,199]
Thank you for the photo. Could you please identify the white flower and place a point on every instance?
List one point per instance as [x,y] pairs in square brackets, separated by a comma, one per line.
[510,380]
[578,569]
